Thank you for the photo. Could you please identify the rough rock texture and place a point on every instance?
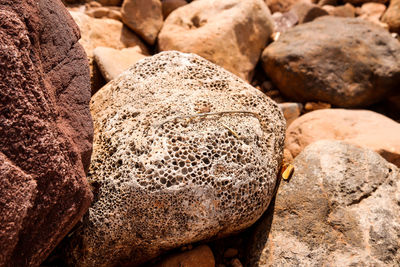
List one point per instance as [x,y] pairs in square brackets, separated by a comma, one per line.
[231,33]
[341,208]
[165,174]
[201,256]
[307,12]
[112,62]
[144,17]
[346,62]
[45,127]
[103,32]
[283,5]
[170,5]
[392,16]
[359,127]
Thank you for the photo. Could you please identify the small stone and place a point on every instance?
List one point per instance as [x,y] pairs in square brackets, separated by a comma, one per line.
[310,106]
[291,111]
[236,263]
[345,11]
[230,253]
[306,12]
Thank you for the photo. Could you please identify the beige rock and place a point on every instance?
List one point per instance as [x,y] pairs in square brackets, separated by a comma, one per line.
[170,5]
[392,16]
[144,17]
[307,12]
[373,12]
[291,111]
[359,127]
[103,32]
[345,11]
[230,33]
[283,5]
[201,256]
[112,62]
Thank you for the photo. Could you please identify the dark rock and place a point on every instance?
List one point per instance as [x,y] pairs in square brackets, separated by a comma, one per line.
[45,128]
[343,61]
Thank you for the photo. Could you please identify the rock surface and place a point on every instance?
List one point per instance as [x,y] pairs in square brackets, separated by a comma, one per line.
[144,17]
[45,127]
[359,127]
[392,16]
[341,208]
[112,62]
[164,174]
[346,62]
[201,256]
[231,33]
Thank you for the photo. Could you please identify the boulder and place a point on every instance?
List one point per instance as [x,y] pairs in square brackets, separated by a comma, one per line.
[392,16]
[201,256]
[144,17]
[170,5]
[183,151]
[231,33]
[340,208]
[107,33]
[45,127]
[307,12]
[283,5]
[347,62]
[112,62]
[359,127]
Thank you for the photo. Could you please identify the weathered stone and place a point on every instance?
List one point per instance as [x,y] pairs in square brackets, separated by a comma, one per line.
[201,256]
[392,16]
[229,33]
[112,62]
[170,5]
[283,5]
[359,127]
[308,12]
[340,208]
[144,17]
[183,151]
[45,127]
[346,62]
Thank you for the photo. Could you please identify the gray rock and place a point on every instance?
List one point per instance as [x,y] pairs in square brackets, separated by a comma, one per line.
[183,151]
[341,208]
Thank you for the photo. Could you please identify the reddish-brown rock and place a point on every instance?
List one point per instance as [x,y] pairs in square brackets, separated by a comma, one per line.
[45,127]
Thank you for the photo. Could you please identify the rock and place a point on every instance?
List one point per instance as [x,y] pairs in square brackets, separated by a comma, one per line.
[359,127]
[347,62]
[164,180]
[201,256]
[291,111]
[340,208]
[144,17]
[112,62]
[373,12]
[45,127]
[284,21]
[230,253]
[360,2]
[392,16]
[311,106]
[328,2]
[283,5]
[229,33]
[345,11]
[103,32]
[110,2]
[308,12]
[236,263]
[170,5]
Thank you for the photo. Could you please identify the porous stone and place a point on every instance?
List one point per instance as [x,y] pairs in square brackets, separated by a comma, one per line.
[231,33]
[183,151]
[347,62]
[392,16]
[144,17]
[201,256]
[359,127]
[340,208]
[45,127]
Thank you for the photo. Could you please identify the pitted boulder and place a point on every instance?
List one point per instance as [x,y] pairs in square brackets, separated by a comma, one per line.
[45,127]
[183,151]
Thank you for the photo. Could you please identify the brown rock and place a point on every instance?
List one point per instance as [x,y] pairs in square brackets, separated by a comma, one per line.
[327,2]
[229,33]
[98,12]
[170,5]
[291,111]
[230,253]
[45,127]
[392,16]
[308,12]
[283,5]
[345,11]
[359,127]
[201,256]
[144,17]
[360,2]
[110,2]
[373,12]
[346,62]
[340,208]
[112,62]
[311,106]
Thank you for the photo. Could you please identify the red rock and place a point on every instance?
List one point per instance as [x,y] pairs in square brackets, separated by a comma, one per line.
[45,127]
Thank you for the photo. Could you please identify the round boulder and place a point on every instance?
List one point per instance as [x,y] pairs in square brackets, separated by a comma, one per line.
[347,62]
[183,151]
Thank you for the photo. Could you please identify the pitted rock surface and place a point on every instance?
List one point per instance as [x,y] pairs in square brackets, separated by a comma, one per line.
[45,127]
[347,62]
[183,151]
[340,208]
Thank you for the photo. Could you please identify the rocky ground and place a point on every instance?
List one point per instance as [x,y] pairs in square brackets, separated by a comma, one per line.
[155,133]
